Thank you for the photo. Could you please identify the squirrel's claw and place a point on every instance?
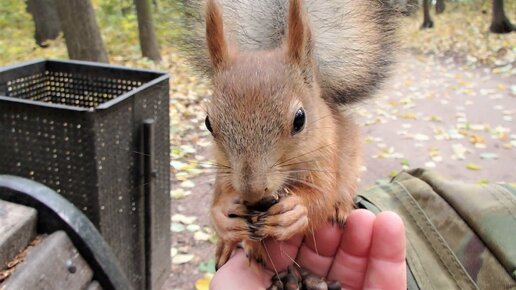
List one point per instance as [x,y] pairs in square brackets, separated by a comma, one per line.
[339,215]
[254,236]
[254,252]
[224,250]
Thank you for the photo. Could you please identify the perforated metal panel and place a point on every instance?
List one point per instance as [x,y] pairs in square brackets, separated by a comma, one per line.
[69,89]
[77,127]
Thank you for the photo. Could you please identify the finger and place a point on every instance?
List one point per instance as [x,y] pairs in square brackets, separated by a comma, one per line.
[318,249]
[237,272]
[386,268]
[350,263]
[281,254]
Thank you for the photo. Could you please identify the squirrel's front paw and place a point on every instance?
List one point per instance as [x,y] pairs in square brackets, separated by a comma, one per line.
[284,219]
[230,222]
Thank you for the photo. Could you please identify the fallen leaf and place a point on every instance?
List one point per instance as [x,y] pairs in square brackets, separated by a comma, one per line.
[489,156]
[187,184]
[179,193]
[459,151]
[430,164]
[188,149]
[178,165]
[213,238]
[437,158]
[201,236]
[434,151]
[193,228]
[203,283]
[421,137]
[472,166]
[183,219]
[182,258]
[501,87]
[177,228]
[454,134]
[410,116]
[476,139]
[477,127]
[208,266]
[434,118]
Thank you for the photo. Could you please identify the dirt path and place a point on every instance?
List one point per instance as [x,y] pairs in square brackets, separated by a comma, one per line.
[434,114]
[439,115]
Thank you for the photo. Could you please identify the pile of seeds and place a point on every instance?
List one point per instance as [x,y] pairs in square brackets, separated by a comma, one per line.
[301,279]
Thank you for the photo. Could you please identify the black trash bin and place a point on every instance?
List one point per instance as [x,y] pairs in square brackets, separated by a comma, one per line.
[99,135]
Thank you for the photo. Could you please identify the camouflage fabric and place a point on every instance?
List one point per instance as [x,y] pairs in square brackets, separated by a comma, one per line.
[460,236]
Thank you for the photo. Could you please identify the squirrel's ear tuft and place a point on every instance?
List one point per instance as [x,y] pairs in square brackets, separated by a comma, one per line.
[299,38]
[215,40]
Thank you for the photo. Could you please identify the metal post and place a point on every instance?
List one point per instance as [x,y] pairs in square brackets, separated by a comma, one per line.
[149,174]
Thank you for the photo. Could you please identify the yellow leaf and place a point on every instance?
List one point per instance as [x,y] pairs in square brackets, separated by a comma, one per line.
[203,283]
[394,102]
[504,136]
[501,87]
[472,166]
[409,116]
[476,139]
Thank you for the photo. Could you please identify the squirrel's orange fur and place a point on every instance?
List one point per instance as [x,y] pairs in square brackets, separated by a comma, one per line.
[256,96]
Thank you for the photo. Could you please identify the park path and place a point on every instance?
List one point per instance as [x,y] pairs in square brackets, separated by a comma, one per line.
[439,115]
[433,113]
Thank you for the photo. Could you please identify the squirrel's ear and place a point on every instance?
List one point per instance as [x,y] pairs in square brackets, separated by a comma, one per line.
[215,40]
[299,38]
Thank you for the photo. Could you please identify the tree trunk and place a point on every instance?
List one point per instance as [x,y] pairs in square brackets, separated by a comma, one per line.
[427,20]
[439,6]
[46,20]
[148,42]
[500,23]
[81,31]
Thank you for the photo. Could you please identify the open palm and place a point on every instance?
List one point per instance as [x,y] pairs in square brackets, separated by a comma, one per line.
[369,253]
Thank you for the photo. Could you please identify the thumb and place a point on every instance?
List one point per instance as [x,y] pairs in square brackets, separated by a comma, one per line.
[239,274]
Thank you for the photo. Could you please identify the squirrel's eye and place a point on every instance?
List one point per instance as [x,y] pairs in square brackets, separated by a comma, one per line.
[299,121]
[208,125]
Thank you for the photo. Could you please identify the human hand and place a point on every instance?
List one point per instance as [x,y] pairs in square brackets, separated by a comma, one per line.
[369,253]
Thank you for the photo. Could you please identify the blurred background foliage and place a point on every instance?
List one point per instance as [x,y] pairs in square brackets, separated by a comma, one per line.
[117,22]
[461,31]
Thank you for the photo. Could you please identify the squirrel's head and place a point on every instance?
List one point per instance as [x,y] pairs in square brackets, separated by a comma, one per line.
[267,116]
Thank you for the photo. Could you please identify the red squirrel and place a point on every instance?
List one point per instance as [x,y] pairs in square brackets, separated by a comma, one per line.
[288,158]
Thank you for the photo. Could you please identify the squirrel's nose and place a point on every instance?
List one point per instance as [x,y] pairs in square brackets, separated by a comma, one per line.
[251,182]
[253,195]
